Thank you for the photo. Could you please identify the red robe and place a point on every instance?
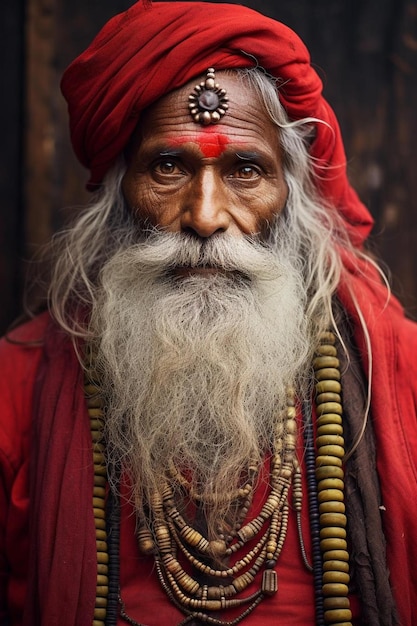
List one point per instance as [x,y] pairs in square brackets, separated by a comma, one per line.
[61,580]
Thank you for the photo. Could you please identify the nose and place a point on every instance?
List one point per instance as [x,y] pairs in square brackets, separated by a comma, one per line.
[205,208]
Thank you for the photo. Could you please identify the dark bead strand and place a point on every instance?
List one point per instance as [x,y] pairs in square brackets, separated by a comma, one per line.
[113,543]
[125,617]
[314,516]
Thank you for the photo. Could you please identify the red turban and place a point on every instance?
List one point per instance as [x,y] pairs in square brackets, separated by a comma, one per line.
[151,49]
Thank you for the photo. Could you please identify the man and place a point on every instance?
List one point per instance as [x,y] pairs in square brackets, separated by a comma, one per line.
[157,427]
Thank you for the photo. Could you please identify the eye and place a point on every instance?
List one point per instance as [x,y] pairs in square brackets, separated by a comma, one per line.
[167,167]
[246,172]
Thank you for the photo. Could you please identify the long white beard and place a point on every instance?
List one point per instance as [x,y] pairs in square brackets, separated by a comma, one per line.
[196,368]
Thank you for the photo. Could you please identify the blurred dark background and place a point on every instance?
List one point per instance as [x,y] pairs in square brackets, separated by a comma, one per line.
[364,50]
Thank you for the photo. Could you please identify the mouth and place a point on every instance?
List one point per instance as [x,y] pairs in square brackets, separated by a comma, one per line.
[199,270]
[206,271]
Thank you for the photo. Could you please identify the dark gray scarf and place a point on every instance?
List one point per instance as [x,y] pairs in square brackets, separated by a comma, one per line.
[363,500]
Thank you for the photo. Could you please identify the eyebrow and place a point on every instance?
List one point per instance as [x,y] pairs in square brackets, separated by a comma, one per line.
[169,153]
[249,155]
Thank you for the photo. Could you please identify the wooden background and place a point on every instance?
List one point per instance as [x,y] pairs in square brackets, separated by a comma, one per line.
[365,51]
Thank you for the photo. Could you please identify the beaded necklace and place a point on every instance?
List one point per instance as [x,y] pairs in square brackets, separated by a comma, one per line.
[173,535]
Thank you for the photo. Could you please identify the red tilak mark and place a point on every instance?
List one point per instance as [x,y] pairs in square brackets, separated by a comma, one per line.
[211,144]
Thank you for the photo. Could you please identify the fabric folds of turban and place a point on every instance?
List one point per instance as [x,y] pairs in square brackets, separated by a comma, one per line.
[151,49]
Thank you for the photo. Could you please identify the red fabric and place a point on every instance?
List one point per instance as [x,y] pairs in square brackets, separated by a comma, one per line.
[394,415]
[18,368]
[67,596]
[69,592]
[63,556]
[48,385]
[144,53]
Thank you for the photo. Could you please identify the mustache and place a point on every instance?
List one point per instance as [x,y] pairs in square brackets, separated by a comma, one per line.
[162,253]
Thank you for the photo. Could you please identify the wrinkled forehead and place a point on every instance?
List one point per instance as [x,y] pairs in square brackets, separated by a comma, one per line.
[239,114]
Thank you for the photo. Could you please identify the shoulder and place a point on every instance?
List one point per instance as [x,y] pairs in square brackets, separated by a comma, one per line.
[31,331]
[409,334]
[20,353]
[405,339]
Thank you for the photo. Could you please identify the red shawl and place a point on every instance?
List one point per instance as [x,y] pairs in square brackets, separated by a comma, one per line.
[63,559]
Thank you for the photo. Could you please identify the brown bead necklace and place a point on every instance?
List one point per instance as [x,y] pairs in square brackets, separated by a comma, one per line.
[174,539]
[172,534]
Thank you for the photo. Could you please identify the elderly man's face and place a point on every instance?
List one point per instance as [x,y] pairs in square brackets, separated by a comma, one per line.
[225,177]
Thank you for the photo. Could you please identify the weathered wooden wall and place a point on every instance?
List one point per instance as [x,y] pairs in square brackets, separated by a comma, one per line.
[11,119]
[365,51]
